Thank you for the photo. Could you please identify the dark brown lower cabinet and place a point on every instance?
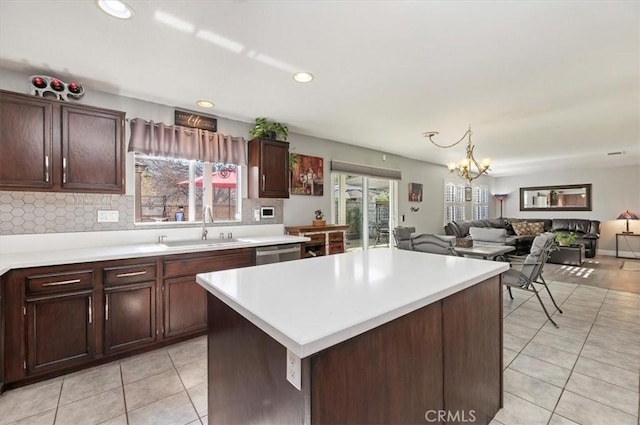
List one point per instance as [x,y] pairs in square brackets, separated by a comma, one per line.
[129,316]
[185,306]
[59,331]
[58,319]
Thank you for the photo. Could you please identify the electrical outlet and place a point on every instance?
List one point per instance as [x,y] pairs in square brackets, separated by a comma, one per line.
[256,215]
[294,369]
[108,216]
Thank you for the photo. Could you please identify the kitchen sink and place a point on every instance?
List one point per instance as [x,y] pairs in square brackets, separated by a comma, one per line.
[194,243]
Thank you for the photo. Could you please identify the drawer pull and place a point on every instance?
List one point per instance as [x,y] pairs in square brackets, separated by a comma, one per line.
[106,309]
[263,182]
[131,274]
[90,312]
[64,170]
[46,168]
[62,282]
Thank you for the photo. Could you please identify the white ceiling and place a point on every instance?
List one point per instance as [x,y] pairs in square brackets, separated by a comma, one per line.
[542,83]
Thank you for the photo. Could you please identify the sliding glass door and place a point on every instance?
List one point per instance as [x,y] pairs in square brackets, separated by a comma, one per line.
[367,205]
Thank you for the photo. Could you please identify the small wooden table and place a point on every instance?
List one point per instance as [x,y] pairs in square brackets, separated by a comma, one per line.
[486,252]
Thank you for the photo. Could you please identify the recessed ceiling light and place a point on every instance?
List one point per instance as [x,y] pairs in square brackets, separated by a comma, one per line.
[303,77]
[205,104]
[116,8]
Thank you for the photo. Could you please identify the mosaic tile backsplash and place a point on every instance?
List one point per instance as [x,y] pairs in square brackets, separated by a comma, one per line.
[56,212]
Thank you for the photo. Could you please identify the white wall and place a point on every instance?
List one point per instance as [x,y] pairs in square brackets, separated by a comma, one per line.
[298,210]
[614,190]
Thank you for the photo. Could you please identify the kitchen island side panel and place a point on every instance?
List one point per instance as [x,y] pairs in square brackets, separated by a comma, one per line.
[391,374]
[446,355]
[472,329]
[247,373]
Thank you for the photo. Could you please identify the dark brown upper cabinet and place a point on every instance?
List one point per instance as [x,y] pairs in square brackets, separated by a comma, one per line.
[268,168]
[48,145]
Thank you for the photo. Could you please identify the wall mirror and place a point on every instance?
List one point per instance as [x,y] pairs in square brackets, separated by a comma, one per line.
[571,197]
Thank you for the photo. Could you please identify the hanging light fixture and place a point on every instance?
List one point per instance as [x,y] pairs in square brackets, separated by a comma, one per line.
[468,168]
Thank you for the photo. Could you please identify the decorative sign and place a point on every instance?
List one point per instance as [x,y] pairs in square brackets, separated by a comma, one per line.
[306,175]
[190,119]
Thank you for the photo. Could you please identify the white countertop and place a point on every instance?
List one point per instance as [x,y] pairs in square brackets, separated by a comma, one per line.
[42,257]
[312,304]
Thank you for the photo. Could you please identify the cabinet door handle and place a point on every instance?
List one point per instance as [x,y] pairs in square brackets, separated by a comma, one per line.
[62,282]
[46,168]
[106,308]
[131,274]
[64,170]
[263,182]
[90,311]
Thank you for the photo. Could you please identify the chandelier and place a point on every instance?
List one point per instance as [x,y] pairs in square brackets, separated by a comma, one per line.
[468,168]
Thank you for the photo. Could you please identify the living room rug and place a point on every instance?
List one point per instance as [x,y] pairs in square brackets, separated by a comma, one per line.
[633,266]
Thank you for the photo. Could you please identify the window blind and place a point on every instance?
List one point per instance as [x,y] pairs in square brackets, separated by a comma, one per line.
[365,170]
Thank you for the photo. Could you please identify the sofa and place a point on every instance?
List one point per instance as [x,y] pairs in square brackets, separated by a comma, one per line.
[587,231]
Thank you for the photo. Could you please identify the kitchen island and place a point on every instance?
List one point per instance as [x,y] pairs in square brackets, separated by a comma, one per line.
[378,336]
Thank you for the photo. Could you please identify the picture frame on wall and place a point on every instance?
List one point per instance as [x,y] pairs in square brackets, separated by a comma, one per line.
[415,192]
[307,175]
[468,196]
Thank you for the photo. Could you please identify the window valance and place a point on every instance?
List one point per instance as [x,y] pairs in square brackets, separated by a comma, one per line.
[175,141]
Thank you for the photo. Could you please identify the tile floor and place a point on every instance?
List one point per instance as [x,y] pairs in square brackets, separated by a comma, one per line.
[586,372]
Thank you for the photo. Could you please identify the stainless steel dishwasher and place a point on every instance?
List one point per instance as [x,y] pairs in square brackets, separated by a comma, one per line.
[277,253]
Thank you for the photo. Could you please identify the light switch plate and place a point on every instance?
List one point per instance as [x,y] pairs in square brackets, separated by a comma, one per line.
[108,216]
[294,369]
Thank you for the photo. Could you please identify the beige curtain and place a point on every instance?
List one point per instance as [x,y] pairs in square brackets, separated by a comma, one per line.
[175,141]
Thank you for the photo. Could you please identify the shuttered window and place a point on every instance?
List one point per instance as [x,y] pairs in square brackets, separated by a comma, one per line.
[480,202]
[453,202]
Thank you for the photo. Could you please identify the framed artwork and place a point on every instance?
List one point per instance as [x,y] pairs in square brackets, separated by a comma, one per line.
[415,192]
[307,175]
[467,194]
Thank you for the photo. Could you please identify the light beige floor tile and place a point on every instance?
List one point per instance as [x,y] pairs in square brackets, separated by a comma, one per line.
[511,328]
[514,343]
[494,421]
[198,396]
[617,324]
[567,322]
[507,357]
[89,382]
[30,400]
[622,295]
[603,392]
[559,342]
[205,420]
[589,412]
[553,355]
[119,420]
[614,303]
[583,305]
[559,420]
[615,358]
[196,422]
[188,352]
[524,322]
[566,332]
[145,365]
[531,389]
[151,389]
[194,373]
[608,373]
[619,315]
[92,410]
[621,335]
[609,338]
[577,315]
[173,410]
[44,418]
[517,411]
[542,370]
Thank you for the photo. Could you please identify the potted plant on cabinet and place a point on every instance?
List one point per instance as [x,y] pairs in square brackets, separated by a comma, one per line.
[265,129]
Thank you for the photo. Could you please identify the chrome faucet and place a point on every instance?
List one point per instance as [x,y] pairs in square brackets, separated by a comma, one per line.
[206,210]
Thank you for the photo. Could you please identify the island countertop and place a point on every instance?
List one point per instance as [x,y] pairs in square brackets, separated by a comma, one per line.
[309,305]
